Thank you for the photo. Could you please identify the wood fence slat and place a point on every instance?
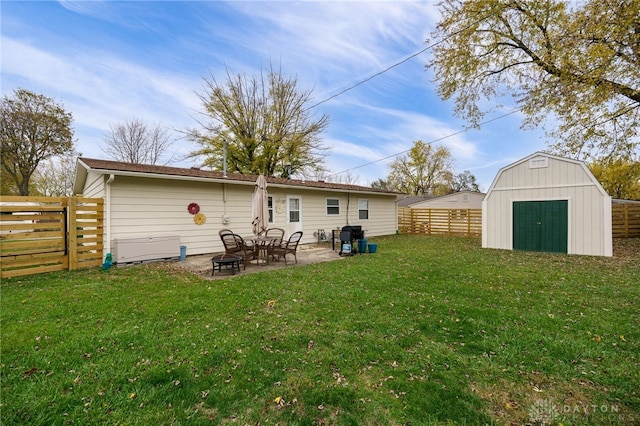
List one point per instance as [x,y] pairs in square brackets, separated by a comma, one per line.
[35,270]
[35,259]
[463,222]
[625,220]
[65,233]
[72,239]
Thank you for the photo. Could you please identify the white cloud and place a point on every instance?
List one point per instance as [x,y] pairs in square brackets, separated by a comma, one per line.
[146,60]
[334,43]
[99,88]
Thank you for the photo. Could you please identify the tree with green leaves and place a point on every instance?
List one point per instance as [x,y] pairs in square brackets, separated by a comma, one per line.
[263,123]
[464,181]
[382,184]
[421,171]
[33,128]
[573,65]
[619,177]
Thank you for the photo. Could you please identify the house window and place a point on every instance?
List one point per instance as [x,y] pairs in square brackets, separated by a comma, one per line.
[363,209]
[270,204]
[294,210]
[333,206]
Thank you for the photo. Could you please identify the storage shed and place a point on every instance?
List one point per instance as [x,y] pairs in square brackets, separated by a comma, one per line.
[547,203]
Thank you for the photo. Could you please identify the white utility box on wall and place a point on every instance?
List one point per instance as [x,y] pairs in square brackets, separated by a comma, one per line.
[141,249]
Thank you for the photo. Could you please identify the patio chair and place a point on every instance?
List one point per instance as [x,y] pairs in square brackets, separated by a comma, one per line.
[224,231]
[277,234]
[288,247]
[236,246]
[248,244]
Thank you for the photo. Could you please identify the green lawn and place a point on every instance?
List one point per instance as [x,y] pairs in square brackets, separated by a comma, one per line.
[428,330]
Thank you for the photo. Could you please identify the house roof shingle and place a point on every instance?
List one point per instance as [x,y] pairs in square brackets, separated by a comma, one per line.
[168,171]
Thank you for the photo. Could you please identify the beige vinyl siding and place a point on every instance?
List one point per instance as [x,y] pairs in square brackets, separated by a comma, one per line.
[381,209]
[589,220]
[156,207]
[140,203]
[144,207]
[94,185]
[382,213]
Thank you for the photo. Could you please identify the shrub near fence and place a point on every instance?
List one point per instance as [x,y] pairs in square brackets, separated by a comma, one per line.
[459,222]
[44,234]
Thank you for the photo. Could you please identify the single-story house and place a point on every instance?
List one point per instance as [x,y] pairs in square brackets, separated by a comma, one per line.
[456,200]
[547,203]
[161,206]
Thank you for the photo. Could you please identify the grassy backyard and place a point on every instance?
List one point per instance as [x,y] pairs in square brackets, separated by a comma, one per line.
[428,330]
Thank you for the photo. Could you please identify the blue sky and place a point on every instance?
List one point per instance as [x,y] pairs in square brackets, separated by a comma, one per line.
[107,62]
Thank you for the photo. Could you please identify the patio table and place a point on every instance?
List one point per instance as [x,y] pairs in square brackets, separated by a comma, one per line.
[262,245]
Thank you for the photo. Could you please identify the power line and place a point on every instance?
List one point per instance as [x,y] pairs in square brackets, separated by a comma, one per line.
[413,55]
[370,78]
[430,142]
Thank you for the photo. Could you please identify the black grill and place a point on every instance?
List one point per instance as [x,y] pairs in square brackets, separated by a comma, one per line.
[348,235]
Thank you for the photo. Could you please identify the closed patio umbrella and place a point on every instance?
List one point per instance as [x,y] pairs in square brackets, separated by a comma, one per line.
[260,221]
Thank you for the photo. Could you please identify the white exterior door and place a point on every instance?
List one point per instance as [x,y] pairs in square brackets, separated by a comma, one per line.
[294,214]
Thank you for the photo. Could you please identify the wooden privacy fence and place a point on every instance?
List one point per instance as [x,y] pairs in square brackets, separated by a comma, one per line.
[462,222]
[625,220]
[44,234]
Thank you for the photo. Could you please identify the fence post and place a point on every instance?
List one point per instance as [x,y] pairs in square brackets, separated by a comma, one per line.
[412,220]
[72,232]
[626,220]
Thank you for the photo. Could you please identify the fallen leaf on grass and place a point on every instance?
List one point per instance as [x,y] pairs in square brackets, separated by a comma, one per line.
[30,372]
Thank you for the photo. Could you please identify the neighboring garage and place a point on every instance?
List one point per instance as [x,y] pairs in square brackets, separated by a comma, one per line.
[547,203]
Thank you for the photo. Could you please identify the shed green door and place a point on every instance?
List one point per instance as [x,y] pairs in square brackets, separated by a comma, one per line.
[540,226]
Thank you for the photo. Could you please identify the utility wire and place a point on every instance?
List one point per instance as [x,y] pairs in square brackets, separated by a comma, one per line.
[371,77]
[429,143]
[431,46]
[413,55]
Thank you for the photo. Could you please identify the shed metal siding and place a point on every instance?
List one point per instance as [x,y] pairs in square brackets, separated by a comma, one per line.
[589,218]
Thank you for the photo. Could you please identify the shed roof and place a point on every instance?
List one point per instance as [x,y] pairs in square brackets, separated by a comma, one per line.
[180,173]
[579,163]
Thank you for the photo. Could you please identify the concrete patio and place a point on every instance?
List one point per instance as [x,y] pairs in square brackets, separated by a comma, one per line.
[306,254]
